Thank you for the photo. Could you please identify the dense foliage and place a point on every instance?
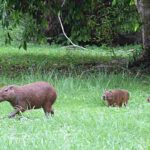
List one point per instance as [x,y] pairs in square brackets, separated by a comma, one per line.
[100,20]
[85,21]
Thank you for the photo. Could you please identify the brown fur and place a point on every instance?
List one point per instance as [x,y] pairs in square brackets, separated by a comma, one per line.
[30,96]
[116,97]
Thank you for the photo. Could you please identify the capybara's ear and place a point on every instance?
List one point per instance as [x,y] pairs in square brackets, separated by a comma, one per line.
[11,87]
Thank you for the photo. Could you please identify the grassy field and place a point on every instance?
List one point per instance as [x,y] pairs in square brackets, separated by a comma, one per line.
[39,57]
[82,120]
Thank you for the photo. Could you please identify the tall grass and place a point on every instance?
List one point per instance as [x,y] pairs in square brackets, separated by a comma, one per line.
[82,120]
[48,57]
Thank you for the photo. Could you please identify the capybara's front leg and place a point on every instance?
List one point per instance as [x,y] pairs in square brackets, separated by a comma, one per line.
[13,114]
[16,111]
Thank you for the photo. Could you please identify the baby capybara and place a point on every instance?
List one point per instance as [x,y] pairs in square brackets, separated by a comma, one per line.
[29,96]
[116,97]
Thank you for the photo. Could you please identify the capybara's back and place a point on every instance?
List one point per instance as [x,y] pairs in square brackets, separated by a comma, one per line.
[116,97]
[38,93]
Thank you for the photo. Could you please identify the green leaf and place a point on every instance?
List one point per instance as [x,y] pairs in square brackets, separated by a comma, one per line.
[114,2]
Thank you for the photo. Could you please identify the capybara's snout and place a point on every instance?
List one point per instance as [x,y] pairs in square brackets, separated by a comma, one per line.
[104,97]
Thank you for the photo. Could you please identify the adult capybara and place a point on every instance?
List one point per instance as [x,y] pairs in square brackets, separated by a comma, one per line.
[116,97]
[29,96]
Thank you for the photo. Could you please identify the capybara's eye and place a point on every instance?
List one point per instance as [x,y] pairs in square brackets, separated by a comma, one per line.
[6,90]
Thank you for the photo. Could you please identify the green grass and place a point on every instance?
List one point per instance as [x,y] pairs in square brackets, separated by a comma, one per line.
[82,120]
[46,57]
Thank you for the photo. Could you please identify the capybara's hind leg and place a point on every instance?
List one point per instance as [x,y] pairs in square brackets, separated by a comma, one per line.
[120,105]
[48,110]
[125,104]
[52,112]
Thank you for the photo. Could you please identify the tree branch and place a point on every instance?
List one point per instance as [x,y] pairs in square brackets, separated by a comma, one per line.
[62,27]
[63,3]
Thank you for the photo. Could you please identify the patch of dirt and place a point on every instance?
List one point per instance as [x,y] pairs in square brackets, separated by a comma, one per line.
[142,63]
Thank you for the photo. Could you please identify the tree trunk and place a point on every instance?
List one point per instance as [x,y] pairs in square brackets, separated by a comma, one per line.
[143,7]
[53,29]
